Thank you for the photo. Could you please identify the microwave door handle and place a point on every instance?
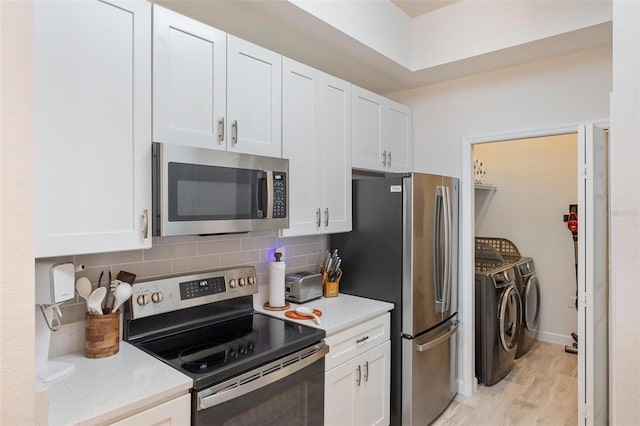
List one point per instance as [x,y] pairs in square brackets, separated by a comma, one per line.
[269,194]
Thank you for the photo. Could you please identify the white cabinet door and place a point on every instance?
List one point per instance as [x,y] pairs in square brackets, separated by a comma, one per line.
[396,127]
[381,133]
[335,106]
[357,392]
[376,385]
[189,81]
[92,84]
[316,126]
[172,413]
[254,99]
[341,397]
[367,130]
[301,145]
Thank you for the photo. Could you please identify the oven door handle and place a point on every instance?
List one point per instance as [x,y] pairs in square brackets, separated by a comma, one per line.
[260,377]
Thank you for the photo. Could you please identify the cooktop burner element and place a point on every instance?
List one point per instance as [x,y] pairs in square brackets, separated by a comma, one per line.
[211,341]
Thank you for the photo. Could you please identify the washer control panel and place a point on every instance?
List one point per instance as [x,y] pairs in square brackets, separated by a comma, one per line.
[158,296]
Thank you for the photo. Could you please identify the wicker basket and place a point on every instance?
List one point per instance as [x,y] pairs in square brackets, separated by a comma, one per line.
[505,248]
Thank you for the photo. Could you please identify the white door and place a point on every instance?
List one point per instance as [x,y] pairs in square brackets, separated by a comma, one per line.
[189,81]
[396,127]
[367,111]
[301,145]
[92,83]
[254,99]
[335,107]
[592,276]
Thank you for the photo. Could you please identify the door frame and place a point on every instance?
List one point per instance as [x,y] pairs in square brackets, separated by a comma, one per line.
[467,383]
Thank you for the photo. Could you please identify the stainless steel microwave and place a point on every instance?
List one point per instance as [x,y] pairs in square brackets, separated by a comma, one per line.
[199,191]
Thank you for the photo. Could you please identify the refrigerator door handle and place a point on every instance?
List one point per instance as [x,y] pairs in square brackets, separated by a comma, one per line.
[435,342]
[439,275]
[448,244]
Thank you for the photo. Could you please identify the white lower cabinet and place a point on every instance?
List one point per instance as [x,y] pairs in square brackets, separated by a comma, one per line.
[357,390]
[171,413]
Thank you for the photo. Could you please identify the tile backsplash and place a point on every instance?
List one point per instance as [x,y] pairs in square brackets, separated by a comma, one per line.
[184,255]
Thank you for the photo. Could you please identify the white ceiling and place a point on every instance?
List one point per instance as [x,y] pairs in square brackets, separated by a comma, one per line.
[280,26]
[415,8]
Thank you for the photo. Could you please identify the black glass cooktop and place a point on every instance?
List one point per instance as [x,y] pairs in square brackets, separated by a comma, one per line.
[216,352]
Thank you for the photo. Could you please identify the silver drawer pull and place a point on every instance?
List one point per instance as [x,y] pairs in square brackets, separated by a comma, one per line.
[221,130]
[366,371]
[362,339]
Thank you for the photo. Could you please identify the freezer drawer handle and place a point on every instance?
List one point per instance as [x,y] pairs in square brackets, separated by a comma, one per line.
[362,339]
[436,342]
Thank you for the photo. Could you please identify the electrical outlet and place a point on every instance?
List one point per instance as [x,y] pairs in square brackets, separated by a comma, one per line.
[572,301]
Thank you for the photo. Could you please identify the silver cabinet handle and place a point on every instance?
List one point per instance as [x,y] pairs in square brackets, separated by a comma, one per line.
[145,224]
[366,371]
[234,132]
[326,217]
[318,217]
[359,377]
[389,159]
[384,158]
[221,130]
[362,339]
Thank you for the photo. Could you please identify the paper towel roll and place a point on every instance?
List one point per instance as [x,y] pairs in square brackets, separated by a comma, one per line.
[276,284]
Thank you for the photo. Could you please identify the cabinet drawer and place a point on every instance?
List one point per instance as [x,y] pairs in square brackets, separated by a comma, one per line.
[356,340]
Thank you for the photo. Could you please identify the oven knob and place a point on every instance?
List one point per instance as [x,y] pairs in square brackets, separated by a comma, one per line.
[157,297]
[143,299]
[232,283]
[242,349]
[243,282]
[251,280]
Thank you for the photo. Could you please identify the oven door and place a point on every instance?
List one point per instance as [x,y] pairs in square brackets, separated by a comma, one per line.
[289,391]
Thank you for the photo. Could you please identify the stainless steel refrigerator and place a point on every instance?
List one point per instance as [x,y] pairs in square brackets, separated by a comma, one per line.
[403,249]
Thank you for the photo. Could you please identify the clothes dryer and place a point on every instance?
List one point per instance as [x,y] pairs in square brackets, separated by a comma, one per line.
[529,289]
[497,320]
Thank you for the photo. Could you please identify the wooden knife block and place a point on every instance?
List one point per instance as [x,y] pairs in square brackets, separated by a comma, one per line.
[330,288]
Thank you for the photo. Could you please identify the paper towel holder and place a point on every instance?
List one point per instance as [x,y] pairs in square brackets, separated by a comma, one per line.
[287,305]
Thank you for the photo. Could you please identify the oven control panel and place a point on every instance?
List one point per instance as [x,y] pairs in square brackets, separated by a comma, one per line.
[157,296]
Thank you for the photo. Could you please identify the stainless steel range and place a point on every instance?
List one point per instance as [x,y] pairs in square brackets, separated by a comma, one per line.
[247,368]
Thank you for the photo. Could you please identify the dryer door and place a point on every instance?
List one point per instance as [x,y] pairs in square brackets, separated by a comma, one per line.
[531,303]
[510,311]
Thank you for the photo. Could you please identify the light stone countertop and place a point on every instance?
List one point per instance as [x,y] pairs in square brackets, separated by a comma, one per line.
[99,390]
[338,313]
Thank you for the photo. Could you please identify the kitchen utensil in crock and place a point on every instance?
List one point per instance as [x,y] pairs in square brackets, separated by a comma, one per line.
[122,294]
[303,310]
[83,287]
[94,303]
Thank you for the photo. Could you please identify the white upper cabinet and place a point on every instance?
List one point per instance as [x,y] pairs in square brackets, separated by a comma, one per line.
[189,81]
[316,126]
[214,90]
[92,84]
[381,133]
[396,128]
[254,99]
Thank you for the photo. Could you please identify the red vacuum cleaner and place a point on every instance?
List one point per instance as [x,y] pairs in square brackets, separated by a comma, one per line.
[572,224]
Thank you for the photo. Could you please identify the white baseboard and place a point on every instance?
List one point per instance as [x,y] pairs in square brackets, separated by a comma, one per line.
[560,339]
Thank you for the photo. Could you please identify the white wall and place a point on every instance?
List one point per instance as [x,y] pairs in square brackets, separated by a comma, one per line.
[17,358]
[536,180]
[543,94]
[454,32]
[380,24]
[624,154]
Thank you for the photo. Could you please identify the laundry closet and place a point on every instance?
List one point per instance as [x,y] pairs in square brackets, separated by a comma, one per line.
[524,189]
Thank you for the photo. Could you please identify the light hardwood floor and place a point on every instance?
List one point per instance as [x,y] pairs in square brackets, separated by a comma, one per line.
[540,389]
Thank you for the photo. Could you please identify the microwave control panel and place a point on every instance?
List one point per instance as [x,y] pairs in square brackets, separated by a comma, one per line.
[179,292]
[279,195]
